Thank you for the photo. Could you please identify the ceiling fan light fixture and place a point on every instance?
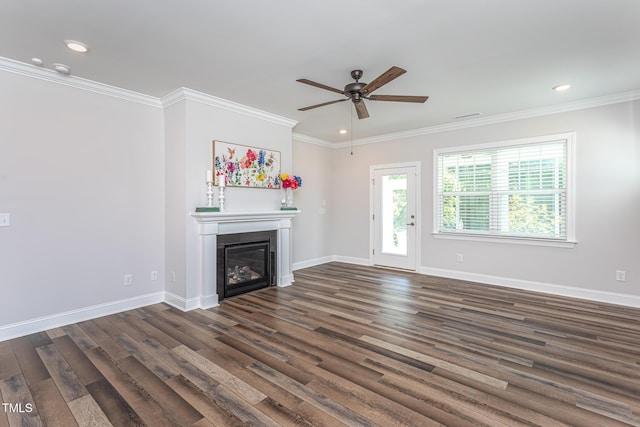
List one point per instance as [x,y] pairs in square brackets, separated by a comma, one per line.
[561,87]
[77,46]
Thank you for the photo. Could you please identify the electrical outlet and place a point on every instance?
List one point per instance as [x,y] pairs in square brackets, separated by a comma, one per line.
[459,258]
[5,219]
[154,275]
[621,275]
[128,279]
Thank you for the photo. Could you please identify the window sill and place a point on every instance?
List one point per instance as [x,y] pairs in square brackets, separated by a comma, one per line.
[505,239]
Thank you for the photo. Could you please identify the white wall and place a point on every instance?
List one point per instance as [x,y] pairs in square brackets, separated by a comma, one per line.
[101,182]
[312,233]
[175,198]
[82,175]
[192,123]
[607,198]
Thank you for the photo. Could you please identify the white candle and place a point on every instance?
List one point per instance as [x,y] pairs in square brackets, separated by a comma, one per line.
[209,176]
[221,180]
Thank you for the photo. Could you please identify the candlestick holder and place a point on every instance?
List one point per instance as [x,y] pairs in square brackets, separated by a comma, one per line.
[209,193]
[221,198]
[209,207]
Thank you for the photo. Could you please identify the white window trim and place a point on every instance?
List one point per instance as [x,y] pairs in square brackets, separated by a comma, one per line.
[570,240]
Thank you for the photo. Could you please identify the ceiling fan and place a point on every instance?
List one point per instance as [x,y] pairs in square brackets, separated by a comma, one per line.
[357,92]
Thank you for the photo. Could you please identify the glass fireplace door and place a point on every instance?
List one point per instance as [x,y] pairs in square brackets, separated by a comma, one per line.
[246,267]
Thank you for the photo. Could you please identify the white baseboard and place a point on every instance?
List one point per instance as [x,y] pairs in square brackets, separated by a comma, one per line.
[44,323]
[180,302]
[208,301]
[547,288]
[312,262]
[285,280]
[351,260]
[330,258]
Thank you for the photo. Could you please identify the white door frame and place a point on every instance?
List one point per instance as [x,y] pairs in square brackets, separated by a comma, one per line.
[418,239]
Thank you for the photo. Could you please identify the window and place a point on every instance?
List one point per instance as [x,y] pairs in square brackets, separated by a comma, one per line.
[516,189]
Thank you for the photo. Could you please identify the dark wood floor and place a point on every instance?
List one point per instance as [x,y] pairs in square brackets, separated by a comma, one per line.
[345,345]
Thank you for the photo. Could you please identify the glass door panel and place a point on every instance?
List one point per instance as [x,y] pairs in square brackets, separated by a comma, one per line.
[394,226]
[394,214]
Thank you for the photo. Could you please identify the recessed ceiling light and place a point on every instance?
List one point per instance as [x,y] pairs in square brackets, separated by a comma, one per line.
[77,46]
[343,131]
[61,68]
[37,61]
[561,87]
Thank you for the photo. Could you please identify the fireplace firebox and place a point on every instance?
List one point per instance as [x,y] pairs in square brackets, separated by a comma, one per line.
[245,262]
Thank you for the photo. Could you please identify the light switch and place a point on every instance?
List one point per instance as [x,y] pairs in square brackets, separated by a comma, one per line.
[5,219]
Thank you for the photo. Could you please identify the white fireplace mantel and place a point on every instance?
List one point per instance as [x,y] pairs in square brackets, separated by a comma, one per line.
[211,224]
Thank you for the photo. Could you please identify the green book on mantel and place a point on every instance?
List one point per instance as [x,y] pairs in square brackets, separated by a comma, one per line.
[208,209]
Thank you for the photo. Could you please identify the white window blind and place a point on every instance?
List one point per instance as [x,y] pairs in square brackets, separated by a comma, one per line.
[515,189]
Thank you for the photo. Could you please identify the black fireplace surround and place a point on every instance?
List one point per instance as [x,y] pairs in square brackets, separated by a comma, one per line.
[245,262]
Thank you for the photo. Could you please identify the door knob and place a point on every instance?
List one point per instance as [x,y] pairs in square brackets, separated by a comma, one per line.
[411,223]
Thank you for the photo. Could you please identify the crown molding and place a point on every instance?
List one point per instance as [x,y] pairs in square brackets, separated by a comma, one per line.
[483,121]
[298,137]
[180,94]
[184,93]
[46,74]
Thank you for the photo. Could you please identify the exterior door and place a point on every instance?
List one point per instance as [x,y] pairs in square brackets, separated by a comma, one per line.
[394,219]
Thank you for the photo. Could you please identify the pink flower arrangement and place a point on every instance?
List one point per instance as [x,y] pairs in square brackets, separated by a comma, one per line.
[290,181]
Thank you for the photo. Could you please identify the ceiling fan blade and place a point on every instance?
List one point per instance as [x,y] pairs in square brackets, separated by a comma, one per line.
[398,98]
[320,85]
[383,79]
[361,109]
[321,105]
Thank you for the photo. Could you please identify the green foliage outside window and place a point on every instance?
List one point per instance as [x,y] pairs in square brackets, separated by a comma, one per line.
[527,214]
[399,201]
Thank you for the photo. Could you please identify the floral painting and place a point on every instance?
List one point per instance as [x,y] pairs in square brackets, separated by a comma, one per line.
[242,166]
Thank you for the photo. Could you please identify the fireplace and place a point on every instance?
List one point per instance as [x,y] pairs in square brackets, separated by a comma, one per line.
[212,227]
[245,262]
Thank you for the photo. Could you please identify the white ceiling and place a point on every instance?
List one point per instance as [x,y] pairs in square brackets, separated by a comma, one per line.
[486,56]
